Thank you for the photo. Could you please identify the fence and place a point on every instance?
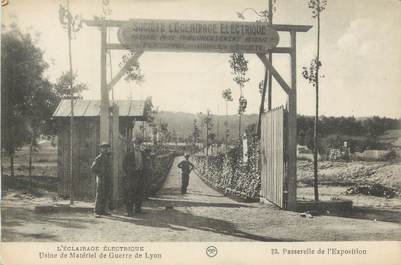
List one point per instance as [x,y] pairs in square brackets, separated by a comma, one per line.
[273,171]
[160,168]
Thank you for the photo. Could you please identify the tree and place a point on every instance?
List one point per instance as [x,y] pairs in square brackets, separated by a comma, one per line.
[163,128]
[208,122]
[200,118]
[239,66]
[312,75]
[27,97]
[63,86]
[62,90]
[196,132]
[133,73]
[42,104]
[227,96]
[149,112]
[71,24]
[266,16]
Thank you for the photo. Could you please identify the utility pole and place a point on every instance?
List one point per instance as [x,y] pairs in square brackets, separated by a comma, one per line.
[267,82]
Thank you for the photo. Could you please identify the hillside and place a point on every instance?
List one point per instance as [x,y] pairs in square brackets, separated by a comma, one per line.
[182,123]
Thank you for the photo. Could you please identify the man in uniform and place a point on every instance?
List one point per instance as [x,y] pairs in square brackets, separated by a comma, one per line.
[186,168]
[134,178]
[101,166]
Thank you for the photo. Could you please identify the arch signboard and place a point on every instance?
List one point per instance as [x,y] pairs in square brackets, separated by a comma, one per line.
[198,36]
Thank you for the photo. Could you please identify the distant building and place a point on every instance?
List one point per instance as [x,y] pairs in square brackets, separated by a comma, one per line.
[87,140]
[303,152]
[371,155]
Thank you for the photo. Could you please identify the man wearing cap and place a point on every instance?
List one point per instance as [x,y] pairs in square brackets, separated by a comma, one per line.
[186,168]
[101,166]
[134,178]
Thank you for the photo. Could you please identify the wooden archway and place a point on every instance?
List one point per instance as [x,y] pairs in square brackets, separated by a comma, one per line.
[238,29]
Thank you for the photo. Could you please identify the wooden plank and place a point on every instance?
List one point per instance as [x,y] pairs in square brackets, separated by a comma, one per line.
[96,147]
[118,23]
[269,161]
[67,160]
[119,46]
[274,72]
[116,46]
[275,155]
[261,158]
[267,158]
[60,158]
[104,102]
[271,128]
[134,58]
[116,152]
[267,155]
[78,157]
[280,157]
[291,28]
[292,129]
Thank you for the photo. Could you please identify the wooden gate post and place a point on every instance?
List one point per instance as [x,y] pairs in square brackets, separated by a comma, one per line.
[116,153]
[292,129]
[104,92]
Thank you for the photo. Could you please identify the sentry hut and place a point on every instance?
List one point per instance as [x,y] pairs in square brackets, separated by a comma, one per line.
[87,139]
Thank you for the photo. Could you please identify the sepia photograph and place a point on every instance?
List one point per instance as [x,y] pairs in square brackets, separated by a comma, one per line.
[230,121]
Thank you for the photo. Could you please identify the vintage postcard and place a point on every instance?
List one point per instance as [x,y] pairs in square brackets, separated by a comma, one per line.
[200,132]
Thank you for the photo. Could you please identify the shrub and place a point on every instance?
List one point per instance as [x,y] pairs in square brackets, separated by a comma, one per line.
[228,171]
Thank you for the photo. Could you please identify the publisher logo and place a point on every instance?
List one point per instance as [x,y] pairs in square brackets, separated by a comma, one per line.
[211,251]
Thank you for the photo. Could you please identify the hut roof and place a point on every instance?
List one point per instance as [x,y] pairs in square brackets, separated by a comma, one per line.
[91,108]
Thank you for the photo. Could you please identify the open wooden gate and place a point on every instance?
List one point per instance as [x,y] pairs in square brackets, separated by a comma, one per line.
[273,157]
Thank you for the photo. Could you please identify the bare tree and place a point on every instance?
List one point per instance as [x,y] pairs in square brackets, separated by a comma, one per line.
[72,24]
[312,75]
[239,65]
[227,96]
[208,121]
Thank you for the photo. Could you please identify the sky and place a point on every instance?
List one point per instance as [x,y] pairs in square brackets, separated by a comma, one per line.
[360,54]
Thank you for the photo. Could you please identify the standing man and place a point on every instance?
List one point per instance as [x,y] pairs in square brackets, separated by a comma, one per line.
[134,179]
[186,168]
[101,166]
[148,164]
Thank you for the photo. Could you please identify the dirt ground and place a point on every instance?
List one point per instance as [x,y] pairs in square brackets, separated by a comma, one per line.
[350,173]
[201,215]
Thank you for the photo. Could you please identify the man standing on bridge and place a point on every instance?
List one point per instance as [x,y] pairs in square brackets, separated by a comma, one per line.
[101,166]
[186,168]
[134,179]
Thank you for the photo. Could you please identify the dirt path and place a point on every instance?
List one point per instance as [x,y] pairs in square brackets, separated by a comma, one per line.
[201,215]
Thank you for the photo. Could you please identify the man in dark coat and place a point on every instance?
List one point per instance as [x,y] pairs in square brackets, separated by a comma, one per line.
[148,165]
[101,166]
[186,168]
[134,178]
